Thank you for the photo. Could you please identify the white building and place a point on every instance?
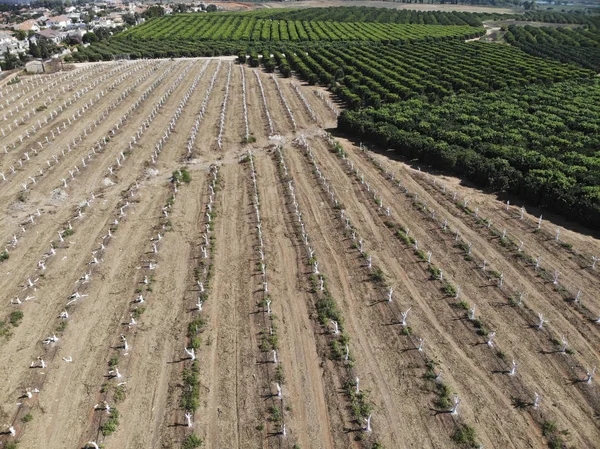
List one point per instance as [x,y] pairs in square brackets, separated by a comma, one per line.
[12,44]
[58,22]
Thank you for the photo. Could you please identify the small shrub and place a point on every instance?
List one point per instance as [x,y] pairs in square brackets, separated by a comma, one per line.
[138,311]
[377,275]
[4,256]
[62,326]
[260,427]
[279,376]
[435,271]
[449,290]
[421,254]
[114,361]
[465,434]
[4,330]
[195,327]
[463,305]
[182,175]
[191,442]
[566,245]
[548,428]
[275,414]
[11,445]
[556,443]
[444,392]
[110,426]
[430,373]
[27,418]
[68,232]
[119,394]
[196,342]
[16,317]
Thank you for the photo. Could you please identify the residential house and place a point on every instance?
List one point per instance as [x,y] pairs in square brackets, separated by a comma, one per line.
[58,22]
[53,35]
[28,25]
[11,44]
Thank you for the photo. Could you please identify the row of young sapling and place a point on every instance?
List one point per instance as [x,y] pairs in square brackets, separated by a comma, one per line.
[15,123]
[454,292]
[56,87]
[271,130]
[67,231]
[443,390]
[31,219]
[377,276]
[201,112]
[288,110]
[56,92]
[329,316]
[503,237]
[203,274]
[55,158]
[34,81]
[514,296]
[49,344]
[147,273]
[31,289]
[224,109]
[328,102]
[84,280]
[74,99]
[24,156]
[305,102]
[246,137]
[269,344]
[97,147]
[114,390]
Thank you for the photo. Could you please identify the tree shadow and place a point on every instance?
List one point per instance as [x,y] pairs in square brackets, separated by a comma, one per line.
[172,362]
[264,362]
[519,403]
[374,303]
[576,381]
[350,430]
[435,412]
[393,323]
[553,351]
[274,434]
